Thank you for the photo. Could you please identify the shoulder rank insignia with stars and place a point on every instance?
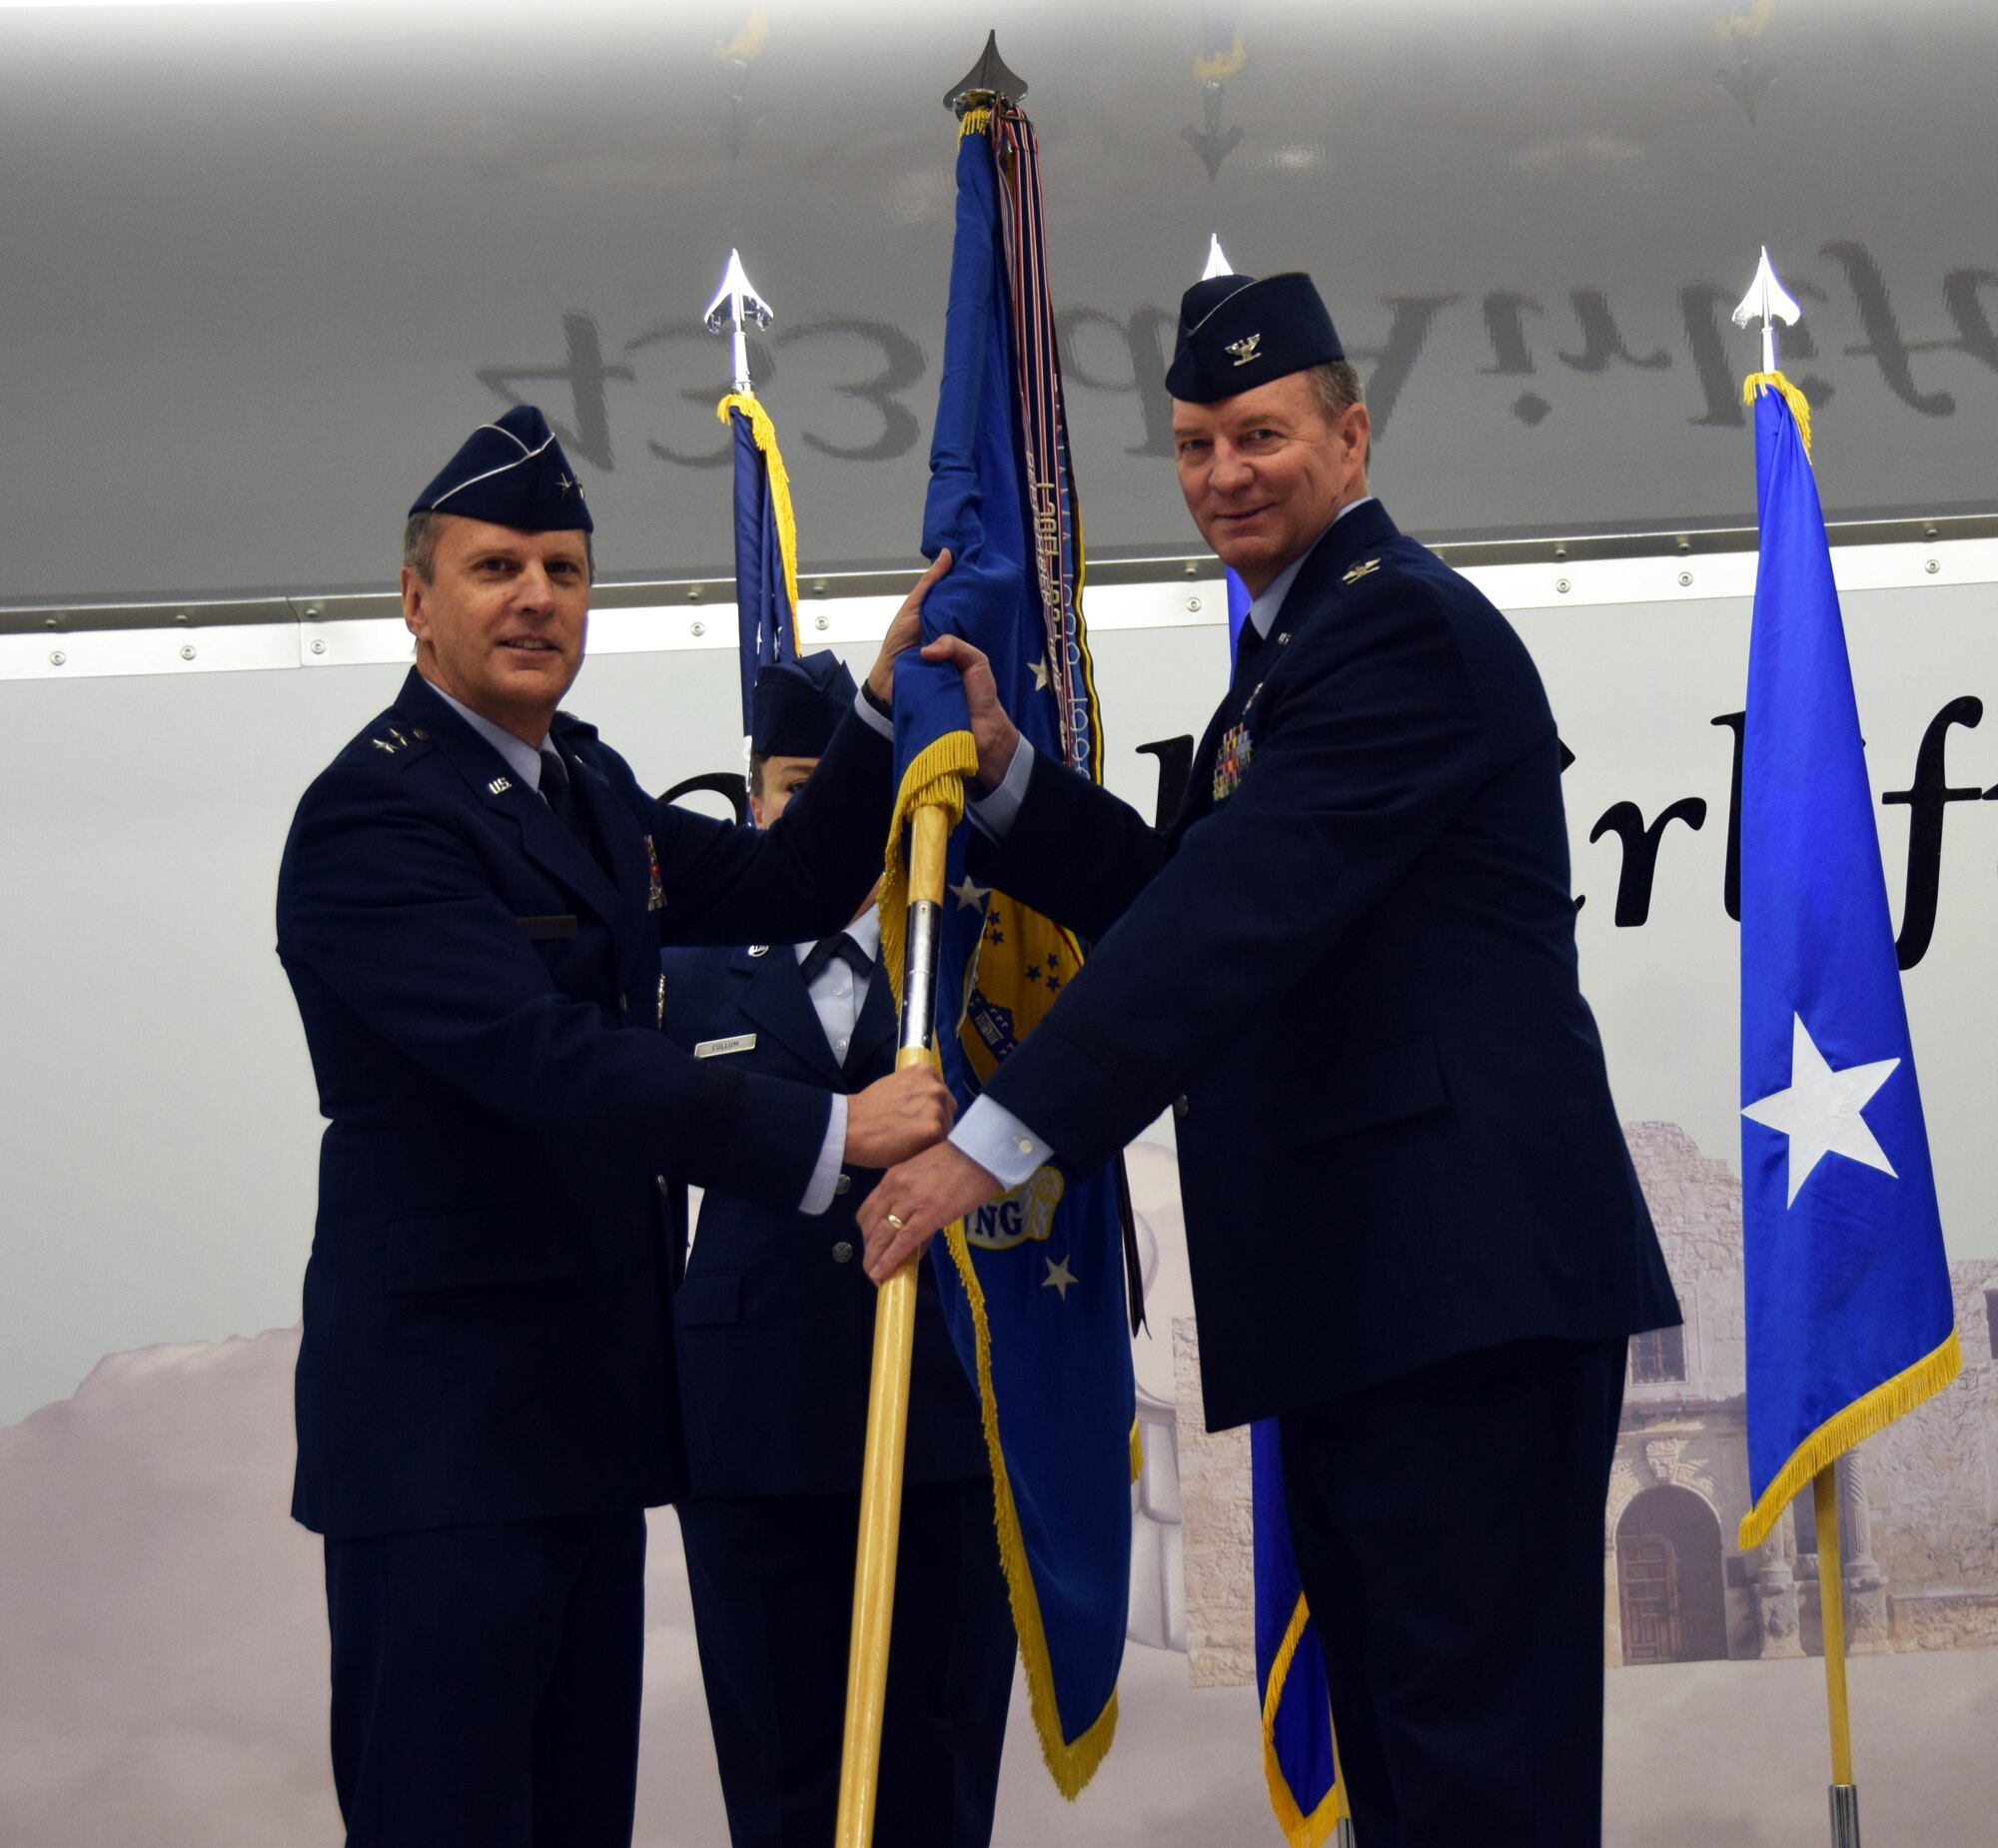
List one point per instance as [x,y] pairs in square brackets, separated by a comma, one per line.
[1360,571]
[1231,759]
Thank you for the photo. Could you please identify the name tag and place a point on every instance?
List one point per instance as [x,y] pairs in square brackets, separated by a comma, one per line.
[713,1049]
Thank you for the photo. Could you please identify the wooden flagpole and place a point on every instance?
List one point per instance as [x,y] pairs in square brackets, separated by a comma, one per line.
[888,1392]
[1832,1610]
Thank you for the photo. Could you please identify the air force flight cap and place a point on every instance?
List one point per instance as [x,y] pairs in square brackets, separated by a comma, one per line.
[513,473]
[1237,333]
[797,705]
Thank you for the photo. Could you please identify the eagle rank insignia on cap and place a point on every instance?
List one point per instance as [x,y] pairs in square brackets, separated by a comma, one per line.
[1239,332]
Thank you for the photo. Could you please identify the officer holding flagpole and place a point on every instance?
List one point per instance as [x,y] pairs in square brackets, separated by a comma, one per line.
[470,909]
[775,1320]
[1417,1238]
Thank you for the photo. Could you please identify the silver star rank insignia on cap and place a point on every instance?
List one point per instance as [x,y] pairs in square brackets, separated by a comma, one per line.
[1243,350]
[1360,571]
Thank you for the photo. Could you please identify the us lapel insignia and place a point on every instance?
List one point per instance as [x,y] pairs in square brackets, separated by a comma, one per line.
[656,897]
[500,785]
[1231,759]
[1360,571]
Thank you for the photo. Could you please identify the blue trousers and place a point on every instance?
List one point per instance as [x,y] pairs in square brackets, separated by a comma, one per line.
[1448,1532]
[772,1583]
[485,1682]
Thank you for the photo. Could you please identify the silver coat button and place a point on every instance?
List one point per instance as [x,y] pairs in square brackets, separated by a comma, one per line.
[842,1253]
[842,1185]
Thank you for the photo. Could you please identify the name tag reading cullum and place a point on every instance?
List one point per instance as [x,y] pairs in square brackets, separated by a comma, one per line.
[549,929]
[713,1049]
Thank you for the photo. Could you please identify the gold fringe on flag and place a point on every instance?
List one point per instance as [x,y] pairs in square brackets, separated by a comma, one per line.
[1871,1411]
[934,779]
[1071,1763]
[765,434]
[1300,1830]
[1775,382]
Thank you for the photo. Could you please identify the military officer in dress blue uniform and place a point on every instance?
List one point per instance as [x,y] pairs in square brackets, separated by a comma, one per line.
[774,1326]
[1416,1239]
[469,910]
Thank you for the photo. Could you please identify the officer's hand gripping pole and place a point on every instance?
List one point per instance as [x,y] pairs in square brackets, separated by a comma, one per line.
[888,1392]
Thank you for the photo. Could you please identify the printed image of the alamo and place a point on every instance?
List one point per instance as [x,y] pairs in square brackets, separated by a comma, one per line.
[1918,1504]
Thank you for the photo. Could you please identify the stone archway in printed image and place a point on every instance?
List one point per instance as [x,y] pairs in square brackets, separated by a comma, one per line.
[1671,1578]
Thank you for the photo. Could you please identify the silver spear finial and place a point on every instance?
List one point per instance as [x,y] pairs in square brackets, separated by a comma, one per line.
[735,309]
[1769,300]
[1217,261]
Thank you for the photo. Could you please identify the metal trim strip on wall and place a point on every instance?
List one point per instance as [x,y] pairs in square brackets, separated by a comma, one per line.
[838,609]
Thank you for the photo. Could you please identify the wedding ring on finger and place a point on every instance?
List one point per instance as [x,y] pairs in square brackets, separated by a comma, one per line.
[896,1222]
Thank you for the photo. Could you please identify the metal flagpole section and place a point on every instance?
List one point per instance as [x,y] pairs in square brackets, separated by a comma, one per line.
[736,308]
[1831,1607]
[1769,302]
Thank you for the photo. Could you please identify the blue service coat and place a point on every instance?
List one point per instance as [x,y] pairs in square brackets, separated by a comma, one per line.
[774,1318]
[1351,959]
[487,1320]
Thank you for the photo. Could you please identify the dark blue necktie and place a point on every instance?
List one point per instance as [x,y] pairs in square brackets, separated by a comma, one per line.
[839,944]
[559,794]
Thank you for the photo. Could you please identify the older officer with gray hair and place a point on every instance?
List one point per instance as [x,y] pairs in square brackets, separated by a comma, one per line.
[1416,1239]
[470,909]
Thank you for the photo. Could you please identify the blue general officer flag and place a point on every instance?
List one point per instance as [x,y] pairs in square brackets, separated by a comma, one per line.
[766,543]
[1298,1763]
[1032,1283]
[1850,1321]
[1239,601]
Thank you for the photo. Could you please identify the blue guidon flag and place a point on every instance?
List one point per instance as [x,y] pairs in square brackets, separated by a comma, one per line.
[1850,1321]
[1032,1283]
[766,543]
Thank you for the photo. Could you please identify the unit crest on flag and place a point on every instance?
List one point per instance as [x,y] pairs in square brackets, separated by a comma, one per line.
[1022,1215]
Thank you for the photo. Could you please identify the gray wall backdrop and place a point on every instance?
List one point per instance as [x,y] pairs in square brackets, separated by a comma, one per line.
[265,262]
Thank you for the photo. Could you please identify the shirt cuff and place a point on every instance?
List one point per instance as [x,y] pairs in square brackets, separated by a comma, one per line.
[826,1176]
[994,814]
[999,1143]
[875,720]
